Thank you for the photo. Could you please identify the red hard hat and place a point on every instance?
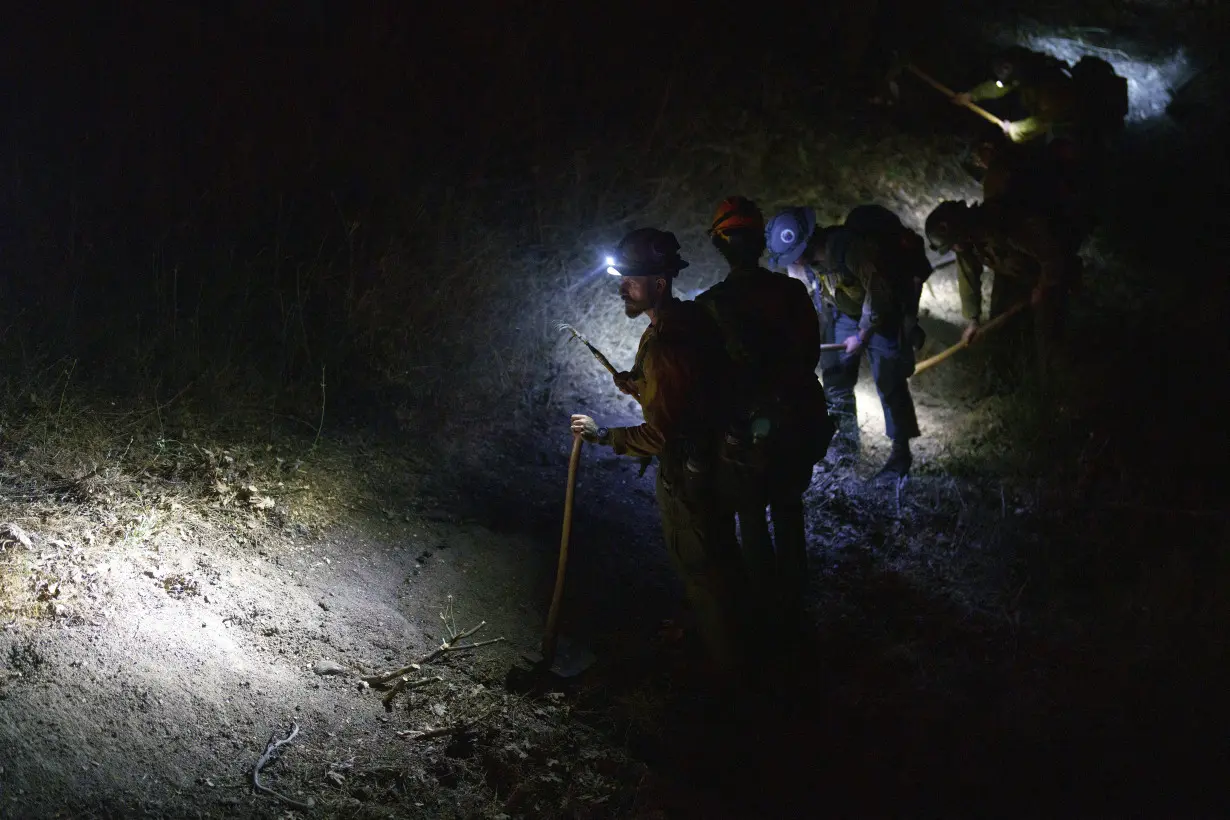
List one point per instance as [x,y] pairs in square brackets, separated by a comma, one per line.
[736,213]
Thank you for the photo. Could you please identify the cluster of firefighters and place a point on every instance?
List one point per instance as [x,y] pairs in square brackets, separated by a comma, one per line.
[727,382]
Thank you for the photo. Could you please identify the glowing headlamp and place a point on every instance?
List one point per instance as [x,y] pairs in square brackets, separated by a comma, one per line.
[610,267]
[999,83]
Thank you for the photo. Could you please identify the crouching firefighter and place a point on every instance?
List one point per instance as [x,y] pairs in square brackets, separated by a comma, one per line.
[681,374]
[780,425]
[1033,261]
[869,284]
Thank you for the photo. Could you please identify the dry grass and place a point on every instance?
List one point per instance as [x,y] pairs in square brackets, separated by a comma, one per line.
[94,482]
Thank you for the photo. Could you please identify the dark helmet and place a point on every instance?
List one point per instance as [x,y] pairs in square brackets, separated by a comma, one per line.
[648,252]
[1004,69]
[945,224]
[1012,64]
[788,233]
[736,213]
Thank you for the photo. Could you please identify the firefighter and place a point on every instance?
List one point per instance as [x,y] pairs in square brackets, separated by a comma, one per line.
[1047,182]
[682,377]
[868,292]
[1046,93]
[780,426]
[1031,259]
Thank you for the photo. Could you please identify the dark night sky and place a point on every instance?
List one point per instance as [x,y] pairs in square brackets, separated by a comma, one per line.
[353,69]
[165,107]
[185,128]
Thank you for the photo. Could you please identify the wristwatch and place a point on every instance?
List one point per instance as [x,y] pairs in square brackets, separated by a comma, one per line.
[604,436]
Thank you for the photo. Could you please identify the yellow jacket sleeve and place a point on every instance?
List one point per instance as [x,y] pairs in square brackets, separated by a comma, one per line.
[644,439]
[1027,129]
[969,285]
[1034,238]
[990,90]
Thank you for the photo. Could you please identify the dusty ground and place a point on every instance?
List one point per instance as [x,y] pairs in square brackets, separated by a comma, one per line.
[148,681]
[1035,626]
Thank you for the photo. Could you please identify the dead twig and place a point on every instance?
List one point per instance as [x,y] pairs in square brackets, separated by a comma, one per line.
[321,425]
[271,753]
[449,645]
[455,729]
[404,685]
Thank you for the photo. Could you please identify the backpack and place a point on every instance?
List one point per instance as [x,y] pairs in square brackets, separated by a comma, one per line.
[906,248]
[1101,92]
[908,266]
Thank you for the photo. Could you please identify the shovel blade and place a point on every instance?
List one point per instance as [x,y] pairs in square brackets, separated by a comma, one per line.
[571,659]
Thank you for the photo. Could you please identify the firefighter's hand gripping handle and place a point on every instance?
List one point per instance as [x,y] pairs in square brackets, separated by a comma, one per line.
[949,93]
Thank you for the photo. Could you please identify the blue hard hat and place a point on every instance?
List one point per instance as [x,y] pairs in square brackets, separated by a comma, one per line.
[787,234]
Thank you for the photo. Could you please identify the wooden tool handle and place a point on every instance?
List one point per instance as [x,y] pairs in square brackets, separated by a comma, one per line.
[927,364]
[551,637]
[949,93]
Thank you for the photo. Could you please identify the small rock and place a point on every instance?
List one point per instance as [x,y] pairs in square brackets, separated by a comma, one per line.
[324,606]
[12,533]
[323,667]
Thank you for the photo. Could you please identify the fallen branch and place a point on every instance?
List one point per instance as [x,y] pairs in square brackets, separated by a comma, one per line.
[271,754]
[456,729]
[449,645]
[403,685]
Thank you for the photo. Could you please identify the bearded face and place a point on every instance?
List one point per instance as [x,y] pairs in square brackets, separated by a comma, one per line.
[640,293]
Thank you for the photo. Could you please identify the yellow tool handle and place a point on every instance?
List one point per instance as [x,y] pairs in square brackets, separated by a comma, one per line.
[949,93]
[927,364]
[551,637]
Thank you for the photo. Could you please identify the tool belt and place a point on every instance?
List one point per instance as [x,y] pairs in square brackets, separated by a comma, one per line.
[744,444]
[779,428]
[685,463]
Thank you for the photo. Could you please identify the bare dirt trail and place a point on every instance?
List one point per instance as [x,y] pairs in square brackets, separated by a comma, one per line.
[923,684]
[154,693]
[160,704]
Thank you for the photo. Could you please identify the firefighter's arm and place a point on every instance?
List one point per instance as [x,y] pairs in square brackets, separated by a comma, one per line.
[878,299]
[990,90]
[1026,129]
[1036,239]
[643,439]
[640,441]
[805,326]
[969,285]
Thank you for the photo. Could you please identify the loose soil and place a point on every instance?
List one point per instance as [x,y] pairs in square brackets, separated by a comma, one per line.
[1035,625]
